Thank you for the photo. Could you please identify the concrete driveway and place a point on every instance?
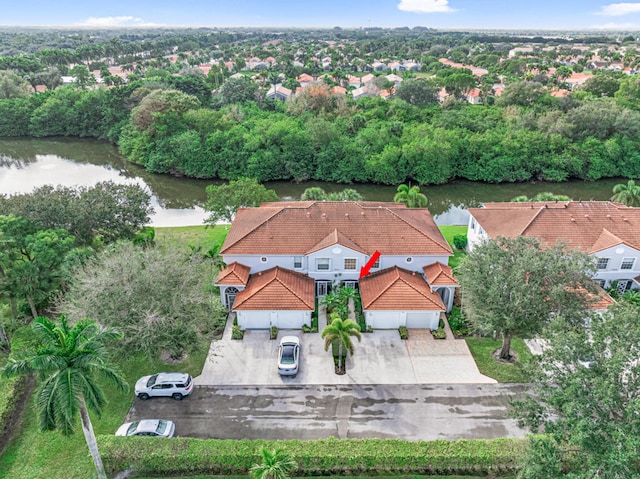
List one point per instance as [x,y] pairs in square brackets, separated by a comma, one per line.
[380,358]
[461,411]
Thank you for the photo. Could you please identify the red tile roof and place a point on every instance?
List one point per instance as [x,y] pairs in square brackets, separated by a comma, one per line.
[277,289]
[397,289]
[299,227]
[235,273]
[590,226]
[439,274]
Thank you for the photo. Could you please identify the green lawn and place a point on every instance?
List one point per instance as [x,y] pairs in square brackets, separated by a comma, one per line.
[449,232]
[482,350]
[406,476]
[204,237]
[50,455]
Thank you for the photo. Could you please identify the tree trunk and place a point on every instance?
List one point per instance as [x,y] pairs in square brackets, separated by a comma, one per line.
[14,308]
[32,305]
[340,356]
[90,437]
[506,347]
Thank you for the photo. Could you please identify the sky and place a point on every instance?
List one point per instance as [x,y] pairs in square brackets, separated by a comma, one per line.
[461,14]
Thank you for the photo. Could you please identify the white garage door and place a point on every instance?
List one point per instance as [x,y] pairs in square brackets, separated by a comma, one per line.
[422,319]
[289,319]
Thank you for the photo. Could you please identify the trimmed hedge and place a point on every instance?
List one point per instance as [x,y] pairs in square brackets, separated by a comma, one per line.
[189,456]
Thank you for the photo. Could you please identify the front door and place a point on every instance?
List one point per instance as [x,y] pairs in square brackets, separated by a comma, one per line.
[322,288]
[230,296]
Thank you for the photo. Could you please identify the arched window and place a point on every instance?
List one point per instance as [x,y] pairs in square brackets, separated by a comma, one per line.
[230,296]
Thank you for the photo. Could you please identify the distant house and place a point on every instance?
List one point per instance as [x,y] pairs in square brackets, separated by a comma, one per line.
[358,93]
[278,92]
[397,80]
[412,66]
[379,67]
[283,256]
[387,93]
[338,90]
[367,78]
[396,67]
[442,95]
[354,81]
[577,79]
[474,96]
[610,232]
[304,79]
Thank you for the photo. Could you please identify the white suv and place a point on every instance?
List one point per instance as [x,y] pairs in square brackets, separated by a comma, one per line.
[175,385]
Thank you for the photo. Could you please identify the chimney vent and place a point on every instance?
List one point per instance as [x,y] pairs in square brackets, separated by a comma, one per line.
[573,219]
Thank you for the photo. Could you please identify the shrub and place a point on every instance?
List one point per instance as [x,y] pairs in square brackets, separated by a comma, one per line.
[331,457]
[237,333]
[457,322]
[460,241]
[404,332]
[273,332]
[309,329]
[439,333]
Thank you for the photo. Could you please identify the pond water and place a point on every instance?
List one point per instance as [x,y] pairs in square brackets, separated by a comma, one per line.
[28,163]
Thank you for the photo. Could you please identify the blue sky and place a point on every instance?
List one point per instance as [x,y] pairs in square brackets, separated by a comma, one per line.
[506,14]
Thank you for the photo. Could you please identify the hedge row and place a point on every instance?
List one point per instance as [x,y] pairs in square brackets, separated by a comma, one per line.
[188,456]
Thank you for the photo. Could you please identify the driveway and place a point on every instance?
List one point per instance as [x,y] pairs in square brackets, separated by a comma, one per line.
[380,358]
[461,411]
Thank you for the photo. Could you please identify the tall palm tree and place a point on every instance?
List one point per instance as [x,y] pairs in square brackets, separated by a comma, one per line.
[410,196]
[340,331]
[68,361]
[276,464]
[628,194]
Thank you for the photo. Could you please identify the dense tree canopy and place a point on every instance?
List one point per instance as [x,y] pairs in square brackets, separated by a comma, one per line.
[107,211]
[224,200]
[587,399]
[159,298]
[513,286]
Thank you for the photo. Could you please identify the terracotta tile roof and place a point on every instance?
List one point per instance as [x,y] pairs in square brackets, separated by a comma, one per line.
[235,273]
[277,288]
[590,226]
[397,289]
[603,300]
[333,238]
[439,274]
[298,227]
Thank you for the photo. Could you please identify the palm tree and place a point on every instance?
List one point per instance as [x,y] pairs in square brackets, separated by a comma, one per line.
[68,362]
[340,331]
[628,194]
[276,464]
[410,196]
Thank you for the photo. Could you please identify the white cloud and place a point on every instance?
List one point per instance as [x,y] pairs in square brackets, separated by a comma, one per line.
[425,6]
[120,21]
[619,9]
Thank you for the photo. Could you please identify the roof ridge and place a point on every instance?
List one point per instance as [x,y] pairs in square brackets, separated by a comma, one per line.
[391,210]
[259,273]
[276,278]
[532,220]
[423,294]
[395,269]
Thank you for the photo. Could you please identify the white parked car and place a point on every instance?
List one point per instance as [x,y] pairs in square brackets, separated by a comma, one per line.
[289,356]
[175,385]
[147,427]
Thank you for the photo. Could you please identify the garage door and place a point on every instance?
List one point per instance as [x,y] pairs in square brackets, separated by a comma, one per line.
[418,320]
[289,319]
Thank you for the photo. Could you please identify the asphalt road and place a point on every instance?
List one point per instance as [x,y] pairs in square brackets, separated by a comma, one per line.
[412,412]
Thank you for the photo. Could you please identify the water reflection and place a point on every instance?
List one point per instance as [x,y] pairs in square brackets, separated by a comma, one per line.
[29,163]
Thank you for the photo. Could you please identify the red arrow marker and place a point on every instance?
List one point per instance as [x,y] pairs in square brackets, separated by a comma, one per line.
[367,267]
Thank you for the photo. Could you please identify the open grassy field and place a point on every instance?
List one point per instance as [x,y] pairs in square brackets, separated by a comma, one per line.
[50,455]
[482,350]
[204,237]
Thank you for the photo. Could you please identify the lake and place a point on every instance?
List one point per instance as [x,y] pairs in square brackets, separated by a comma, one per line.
[28,163]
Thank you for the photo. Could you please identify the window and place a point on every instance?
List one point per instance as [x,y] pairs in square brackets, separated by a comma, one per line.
[323,264]
[473,224]
[264,259]
[409,259]
[376,264]
[297,262]
[602,263]
[627,263]
[601,282]
[350,264]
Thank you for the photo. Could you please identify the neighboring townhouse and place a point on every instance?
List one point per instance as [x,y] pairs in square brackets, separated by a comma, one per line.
[304,79]
[282,256]
[610,232]
[379,67]
[474,96]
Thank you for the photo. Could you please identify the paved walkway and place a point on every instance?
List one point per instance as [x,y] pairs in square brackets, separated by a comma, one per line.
[380,358]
